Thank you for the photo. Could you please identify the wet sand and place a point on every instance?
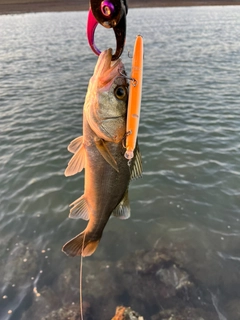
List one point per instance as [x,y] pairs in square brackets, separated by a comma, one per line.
[24,6]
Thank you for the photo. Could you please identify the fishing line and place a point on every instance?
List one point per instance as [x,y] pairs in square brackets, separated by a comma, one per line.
[80,282]
[80,289]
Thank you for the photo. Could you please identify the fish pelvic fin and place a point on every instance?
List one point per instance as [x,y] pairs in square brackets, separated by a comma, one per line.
[81,245]
[123,211]
[101,145]
[77,162]
[75,144]
[79,209]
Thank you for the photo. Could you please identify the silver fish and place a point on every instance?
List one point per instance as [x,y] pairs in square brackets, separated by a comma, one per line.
[100,150]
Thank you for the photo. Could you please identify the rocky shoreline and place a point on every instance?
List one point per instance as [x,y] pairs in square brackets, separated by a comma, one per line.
[27,6]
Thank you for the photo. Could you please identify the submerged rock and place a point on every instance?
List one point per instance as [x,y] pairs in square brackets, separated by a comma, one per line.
[43,302]
[154,281]
[65,313]
[148,281]
[215,266]
[232,309]
[123,313]
[69,312]
[100,290]
[68,285]
[185,314]
[20,268]
[21,265]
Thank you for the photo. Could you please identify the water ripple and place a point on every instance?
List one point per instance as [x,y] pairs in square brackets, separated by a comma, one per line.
[189,138]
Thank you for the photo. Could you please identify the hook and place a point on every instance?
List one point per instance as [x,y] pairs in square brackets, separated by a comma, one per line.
[124,137]
[134,81]
[110,14]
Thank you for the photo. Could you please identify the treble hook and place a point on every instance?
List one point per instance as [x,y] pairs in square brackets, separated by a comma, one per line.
[110,14]
[123,74]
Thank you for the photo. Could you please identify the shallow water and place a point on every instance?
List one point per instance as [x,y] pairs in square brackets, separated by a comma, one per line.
[189,139]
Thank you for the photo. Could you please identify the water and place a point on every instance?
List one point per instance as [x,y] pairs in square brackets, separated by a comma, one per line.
[188,199]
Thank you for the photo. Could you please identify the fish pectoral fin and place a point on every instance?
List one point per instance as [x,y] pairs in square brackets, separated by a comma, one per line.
[79,209]
[136,171]
[75,144]
[123,211]
[77,162]
[106,154]
[81,245]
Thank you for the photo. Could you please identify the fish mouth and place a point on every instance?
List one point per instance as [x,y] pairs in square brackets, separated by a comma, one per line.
[107,70]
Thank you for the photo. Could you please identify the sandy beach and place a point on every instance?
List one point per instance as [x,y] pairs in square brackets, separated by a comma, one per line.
[24,6]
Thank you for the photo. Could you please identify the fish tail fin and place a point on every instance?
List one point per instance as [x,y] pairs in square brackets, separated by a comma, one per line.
[81,245]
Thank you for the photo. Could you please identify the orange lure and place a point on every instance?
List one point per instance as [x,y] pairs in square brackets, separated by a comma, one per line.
[134,99]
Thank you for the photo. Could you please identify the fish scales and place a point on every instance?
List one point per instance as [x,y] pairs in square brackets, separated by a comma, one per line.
[110,188]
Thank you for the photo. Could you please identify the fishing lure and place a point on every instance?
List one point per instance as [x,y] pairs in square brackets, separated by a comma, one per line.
[134,99]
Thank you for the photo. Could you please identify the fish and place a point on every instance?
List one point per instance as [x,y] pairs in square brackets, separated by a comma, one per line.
[100,152]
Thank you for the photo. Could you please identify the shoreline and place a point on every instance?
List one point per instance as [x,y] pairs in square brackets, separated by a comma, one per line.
[34,6]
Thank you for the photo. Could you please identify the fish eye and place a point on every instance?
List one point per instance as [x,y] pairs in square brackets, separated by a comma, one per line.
[120,92]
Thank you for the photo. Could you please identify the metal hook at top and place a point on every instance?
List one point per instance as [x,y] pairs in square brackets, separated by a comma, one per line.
[110,14]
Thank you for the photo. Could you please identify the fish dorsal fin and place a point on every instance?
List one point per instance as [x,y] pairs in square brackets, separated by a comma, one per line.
[77,162]
[137,166]
[75,144]
[106,154]
[79,209]
[122,211]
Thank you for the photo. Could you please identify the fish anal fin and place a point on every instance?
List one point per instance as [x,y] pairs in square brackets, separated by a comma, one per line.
[80,246]
[122,211]
[106,154]
[75,144]
[77,162]
[79,209]
[136,170]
